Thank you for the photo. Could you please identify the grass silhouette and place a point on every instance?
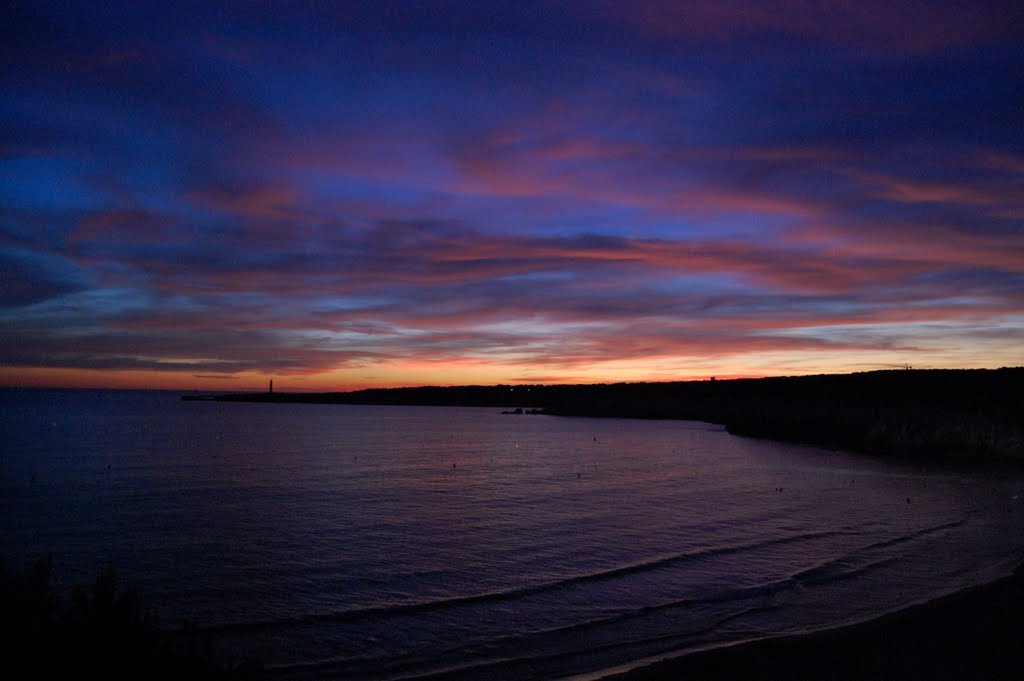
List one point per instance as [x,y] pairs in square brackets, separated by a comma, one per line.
[102,632]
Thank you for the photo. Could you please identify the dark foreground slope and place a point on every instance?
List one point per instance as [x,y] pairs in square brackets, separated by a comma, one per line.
[100,633]
[965,415]
[974,634]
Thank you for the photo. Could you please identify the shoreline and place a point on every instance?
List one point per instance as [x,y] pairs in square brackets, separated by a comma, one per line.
[974,633]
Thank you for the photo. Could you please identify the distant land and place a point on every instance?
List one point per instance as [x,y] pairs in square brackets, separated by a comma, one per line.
[966,415]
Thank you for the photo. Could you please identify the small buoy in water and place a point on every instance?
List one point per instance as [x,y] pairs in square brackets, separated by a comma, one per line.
[577,476]
[453,465]
[908,500]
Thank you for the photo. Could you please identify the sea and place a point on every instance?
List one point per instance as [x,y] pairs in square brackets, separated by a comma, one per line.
[373,542]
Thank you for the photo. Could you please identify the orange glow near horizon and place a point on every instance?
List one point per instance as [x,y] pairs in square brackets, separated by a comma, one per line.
[460,372]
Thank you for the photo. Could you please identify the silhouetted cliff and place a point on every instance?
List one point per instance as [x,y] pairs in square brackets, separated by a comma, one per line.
[951,414]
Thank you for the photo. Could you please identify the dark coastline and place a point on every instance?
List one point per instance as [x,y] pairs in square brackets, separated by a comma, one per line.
[973,634]
[961,416]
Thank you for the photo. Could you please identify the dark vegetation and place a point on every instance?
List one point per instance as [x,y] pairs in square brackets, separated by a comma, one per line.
[102,633]
[965,415]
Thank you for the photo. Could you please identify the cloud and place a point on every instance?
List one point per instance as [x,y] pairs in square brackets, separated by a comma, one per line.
[31,276]
[443,291]
[556,190]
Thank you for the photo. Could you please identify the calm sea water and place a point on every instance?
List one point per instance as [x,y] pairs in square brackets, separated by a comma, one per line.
[360,542]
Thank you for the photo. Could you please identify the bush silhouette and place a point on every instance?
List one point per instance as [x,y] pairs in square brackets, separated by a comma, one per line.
[103,632]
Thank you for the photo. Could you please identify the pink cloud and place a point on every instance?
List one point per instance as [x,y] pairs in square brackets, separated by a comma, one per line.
[990,196]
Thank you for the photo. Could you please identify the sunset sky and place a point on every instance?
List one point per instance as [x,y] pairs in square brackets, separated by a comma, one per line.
[339,195]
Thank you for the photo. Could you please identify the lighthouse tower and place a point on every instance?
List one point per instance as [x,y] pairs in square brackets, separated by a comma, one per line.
[271,386]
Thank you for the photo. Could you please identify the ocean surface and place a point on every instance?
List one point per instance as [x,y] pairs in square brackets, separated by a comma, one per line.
[359,542]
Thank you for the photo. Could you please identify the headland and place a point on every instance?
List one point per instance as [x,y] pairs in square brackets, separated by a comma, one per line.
[967,416]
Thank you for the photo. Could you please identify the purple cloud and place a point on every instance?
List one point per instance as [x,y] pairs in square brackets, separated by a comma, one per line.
[574,190]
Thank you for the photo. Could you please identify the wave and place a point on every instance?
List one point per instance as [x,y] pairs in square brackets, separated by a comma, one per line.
[560,648]
[534,655]
[841,568]
[480,661]
[375,612]
[829,571]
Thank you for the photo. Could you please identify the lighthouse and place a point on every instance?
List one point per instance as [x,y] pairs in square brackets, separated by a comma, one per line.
[271,386]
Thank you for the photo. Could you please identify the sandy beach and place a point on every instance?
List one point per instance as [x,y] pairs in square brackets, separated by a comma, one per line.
[974,634]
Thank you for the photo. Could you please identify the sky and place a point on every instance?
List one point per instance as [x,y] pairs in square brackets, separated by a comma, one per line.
[339,195]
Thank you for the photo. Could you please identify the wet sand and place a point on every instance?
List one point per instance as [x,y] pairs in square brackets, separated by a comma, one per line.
[975,635]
